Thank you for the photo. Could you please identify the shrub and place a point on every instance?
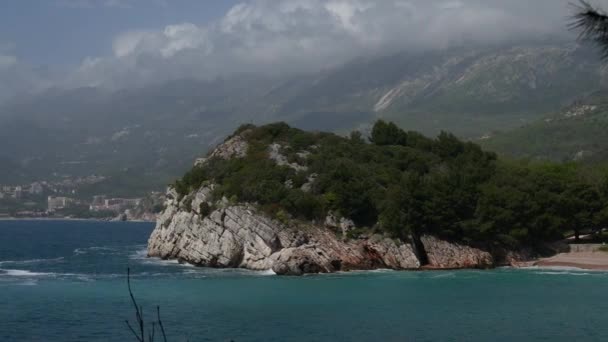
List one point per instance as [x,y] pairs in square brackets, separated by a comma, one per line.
[205,209]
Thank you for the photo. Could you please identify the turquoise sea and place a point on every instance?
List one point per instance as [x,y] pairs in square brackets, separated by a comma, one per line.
[66,281]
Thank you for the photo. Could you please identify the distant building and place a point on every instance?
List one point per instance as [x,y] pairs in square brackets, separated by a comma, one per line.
[36,188]
[18,192]
[98,200]
[100,203]
[57,203]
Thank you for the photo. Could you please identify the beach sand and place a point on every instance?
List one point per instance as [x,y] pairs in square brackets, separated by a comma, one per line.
[585,260]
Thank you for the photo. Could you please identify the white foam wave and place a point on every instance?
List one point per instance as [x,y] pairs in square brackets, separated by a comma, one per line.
[267,273]
[32,261]
[97,249]
[142,257]
[28,283]
[444,275]
[24,273]
[565,273]
[360,272]
[561,269]
[141,254]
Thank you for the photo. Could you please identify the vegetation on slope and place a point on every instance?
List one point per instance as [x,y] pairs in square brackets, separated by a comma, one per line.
[576,133]
[403,183]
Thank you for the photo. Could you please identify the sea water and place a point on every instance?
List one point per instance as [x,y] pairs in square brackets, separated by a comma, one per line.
[66,281]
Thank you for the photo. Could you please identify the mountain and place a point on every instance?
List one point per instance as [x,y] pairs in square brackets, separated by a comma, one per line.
[466,91]
[577,132]
[155,131]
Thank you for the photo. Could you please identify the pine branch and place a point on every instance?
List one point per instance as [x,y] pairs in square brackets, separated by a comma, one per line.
[592,25]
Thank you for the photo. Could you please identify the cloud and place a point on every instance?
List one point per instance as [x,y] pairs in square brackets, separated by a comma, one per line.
[277,37]
[106,3]
[282,36]
[7,61]
[18,78]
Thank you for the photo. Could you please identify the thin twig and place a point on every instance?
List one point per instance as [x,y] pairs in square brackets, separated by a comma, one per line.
[132,330]
[160,323]
[138,312]
[151,334]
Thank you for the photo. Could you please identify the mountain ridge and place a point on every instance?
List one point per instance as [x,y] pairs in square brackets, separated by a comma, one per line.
[157,130]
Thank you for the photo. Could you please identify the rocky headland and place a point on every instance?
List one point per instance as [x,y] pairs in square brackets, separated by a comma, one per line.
[201,229]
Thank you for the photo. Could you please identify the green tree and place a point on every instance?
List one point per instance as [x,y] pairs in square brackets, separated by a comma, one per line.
[384,133]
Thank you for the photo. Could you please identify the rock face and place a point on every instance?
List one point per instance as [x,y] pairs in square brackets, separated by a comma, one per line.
[235,147]
[274,153]
[445,255]
[238,236]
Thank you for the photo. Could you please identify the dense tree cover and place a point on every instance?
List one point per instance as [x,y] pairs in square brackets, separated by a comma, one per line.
[403,183]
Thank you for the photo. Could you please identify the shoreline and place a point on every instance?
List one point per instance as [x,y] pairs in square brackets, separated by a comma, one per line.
[589,260]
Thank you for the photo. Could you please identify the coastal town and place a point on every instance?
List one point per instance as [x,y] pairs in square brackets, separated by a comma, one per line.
[63,199]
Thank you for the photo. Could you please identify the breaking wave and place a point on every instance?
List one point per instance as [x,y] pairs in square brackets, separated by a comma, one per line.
[32,261]
[25,273]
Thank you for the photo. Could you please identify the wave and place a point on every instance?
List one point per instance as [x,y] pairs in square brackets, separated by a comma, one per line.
[103,249]
[142,257]
[28,283]
[204,272]
[86,250]
[141,254]
[566,273]
[267,272]
[24,273]
[444,275]
[32,261]
[562,269]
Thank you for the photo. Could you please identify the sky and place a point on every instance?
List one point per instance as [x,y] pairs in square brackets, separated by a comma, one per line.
[126,43]
[63,32]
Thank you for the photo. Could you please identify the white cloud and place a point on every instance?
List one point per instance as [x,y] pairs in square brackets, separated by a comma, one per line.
[7,61]
[281,36]
[18,78]
[286,36]
[103,3]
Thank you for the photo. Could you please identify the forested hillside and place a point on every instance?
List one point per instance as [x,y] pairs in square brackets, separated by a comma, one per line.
[578,132]
[403,183]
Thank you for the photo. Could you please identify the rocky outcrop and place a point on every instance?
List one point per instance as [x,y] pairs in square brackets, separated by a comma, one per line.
[239,236]
[235,147]
[274,153]
[446,255]
[345,225]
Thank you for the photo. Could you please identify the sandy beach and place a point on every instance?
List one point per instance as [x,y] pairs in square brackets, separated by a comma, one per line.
[591,260]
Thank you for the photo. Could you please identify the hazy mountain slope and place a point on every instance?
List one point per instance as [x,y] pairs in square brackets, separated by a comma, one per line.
[467,91]
[157,131]
[578,132]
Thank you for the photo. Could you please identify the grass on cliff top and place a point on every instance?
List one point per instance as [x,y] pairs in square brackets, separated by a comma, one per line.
[403,183]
